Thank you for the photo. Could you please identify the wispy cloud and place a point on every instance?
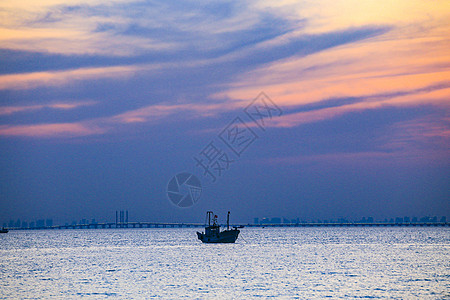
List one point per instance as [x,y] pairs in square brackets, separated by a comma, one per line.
[160,111]
[428,97]
[406,66]
[9,110]
[148,114]
[131,28]
[329,15]
[423,140]
[51,130]
[60,27]
[428,132]
[58,78]
[362,68]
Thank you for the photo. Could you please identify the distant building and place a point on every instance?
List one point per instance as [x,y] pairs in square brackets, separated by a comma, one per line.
[275,220]
[425,219]
[256,221]
[265,221]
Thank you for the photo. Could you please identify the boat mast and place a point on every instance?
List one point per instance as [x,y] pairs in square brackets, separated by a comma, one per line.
[228,221]
[208,214]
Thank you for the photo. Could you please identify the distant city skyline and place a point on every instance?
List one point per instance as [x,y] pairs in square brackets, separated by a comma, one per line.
[47,222]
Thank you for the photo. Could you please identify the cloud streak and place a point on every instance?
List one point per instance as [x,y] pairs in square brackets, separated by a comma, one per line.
[132,28]
[51,130]
[407,66]
[435,97]
[59,78]
[9,110]
[148,114]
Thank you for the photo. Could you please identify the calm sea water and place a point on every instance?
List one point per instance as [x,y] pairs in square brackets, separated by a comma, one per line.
[302,263]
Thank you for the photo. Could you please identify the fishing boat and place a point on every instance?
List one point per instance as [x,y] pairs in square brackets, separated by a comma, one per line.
[4,230]
[213,234]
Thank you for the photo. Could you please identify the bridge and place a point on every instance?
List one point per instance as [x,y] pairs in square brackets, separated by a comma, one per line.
[196,225]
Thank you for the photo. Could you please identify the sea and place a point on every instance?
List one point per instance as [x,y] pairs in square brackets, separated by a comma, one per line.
[279,263]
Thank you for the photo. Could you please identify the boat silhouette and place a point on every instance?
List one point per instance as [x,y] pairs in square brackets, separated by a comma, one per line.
[213,234]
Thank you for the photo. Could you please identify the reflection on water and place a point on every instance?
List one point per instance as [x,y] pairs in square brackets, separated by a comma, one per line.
[273,262]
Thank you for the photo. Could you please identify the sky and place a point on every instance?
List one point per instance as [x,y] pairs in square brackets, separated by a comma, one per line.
[297,109]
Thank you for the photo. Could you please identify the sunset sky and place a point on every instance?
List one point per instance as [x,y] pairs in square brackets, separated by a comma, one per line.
[102,102]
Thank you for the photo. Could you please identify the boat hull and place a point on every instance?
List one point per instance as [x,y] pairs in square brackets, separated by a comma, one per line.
[226,236]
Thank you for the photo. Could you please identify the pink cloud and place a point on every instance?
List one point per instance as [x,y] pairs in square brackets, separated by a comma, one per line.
[159,111]
[51,130]
[96,126]
[425,140]
[58,78]
[424,132]
[8,110]
[426,97]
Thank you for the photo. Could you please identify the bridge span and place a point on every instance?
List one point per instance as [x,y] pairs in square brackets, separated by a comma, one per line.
[197,225]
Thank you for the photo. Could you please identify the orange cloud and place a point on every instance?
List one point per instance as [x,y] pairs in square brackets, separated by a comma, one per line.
[407,66]
[440,96]
[377,66]
[23,26]
[329,15]
[57,78]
